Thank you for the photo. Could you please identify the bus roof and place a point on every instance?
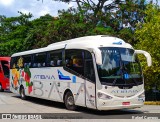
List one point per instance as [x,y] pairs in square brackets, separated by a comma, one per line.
[5,58]
[86,42]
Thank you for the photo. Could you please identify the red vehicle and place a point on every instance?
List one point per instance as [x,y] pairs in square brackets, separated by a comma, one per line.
[4,73]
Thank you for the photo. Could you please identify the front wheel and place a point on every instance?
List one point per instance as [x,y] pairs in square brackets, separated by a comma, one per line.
[1,89]
[22,93]
[69,101]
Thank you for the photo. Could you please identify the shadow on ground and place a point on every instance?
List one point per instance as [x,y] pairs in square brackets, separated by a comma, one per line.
[82,110]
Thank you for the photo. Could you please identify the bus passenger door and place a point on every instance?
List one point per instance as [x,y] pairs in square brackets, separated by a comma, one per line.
[90,85]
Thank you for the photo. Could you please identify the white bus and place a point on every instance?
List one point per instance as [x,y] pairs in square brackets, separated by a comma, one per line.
[98,72]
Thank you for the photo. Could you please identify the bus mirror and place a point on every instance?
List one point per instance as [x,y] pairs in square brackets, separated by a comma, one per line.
[146,54]
[98,56]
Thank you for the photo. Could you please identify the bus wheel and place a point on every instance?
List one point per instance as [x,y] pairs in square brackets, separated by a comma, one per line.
[1,89]
[69,101]
[22,93]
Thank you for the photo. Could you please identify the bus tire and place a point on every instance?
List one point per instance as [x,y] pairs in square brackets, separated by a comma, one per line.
[69,101]
[22,93]
[1,89]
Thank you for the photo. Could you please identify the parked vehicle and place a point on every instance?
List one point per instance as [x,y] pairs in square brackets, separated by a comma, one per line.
[4,73]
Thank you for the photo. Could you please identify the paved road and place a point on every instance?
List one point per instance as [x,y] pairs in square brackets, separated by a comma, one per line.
[12,103]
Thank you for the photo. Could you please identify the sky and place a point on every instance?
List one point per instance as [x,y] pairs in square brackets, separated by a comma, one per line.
[10,8]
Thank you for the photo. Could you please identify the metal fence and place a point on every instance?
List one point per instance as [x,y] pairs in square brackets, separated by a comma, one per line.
[152,95]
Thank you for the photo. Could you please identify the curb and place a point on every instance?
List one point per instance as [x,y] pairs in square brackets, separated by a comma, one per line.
[152,103]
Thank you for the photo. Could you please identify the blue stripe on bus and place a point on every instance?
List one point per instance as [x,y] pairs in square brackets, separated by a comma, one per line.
[62,77]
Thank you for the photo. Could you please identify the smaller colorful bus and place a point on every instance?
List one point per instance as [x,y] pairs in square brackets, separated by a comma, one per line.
[4,73]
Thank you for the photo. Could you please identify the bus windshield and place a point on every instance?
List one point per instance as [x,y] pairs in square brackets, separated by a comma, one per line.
[120,66]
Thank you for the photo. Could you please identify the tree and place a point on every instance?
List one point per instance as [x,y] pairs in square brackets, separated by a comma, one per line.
[148,35]
[121,16]
[14,27]
[13,32]
[94,7]
[69,24]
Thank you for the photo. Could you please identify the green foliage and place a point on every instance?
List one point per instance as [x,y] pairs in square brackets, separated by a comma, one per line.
[69,24]
[20,34]
[13,32]
[148,35]
[127,35]
[103,31]
[36,36]
[12,46]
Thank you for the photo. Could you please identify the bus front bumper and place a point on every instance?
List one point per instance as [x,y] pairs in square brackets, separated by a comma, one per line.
[119,104]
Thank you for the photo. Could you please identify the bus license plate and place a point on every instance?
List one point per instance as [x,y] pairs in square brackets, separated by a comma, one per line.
[126,103]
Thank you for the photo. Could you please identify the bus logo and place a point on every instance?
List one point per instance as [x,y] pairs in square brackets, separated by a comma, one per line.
[124,91]
[44,77]
[62,77]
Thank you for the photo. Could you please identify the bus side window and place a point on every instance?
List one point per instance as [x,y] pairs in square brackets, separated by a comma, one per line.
[40,60]
[59,62]
[69,62]
[52,63]
[27,60]
[74,60]
[35,65]
[5,68]
[55,58]
[89,67]
[14,61]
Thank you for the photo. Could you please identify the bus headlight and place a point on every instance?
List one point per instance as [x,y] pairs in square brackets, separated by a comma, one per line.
[103,96]
[141,97]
